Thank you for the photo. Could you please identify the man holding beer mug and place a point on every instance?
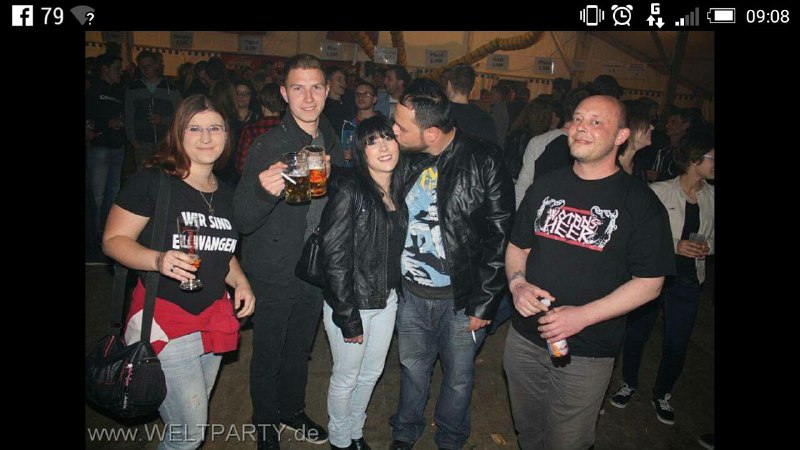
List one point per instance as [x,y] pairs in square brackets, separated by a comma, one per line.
[274,233]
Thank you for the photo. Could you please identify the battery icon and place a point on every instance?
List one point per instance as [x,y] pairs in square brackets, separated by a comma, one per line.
[722,15]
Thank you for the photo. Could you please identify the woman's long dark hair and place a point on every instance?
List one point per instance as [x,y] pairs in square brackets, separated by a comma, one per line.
[368,130]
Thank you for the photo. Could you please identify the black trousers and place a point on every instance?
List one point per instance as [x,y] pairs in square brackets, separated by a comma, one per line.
[283,335]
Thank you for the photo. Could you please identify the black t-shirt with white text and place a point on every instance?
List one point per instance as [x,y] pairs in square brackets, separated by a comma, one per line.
[217,237]
[587,238]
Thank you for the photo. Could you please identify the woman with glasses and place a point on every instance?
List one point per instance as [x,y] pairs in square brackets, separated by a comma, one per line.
[366,98]
[190,328]
[246,103]
[363,228]
[689,201]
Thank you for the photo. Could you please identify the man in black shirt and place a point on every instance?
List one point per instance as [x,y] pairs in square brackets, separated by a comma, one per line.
[274,234]
[597,243]
[458,83]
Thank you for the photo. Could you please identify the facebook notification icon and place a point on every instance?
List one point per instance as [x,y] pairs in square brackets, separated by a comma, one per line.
[21,15]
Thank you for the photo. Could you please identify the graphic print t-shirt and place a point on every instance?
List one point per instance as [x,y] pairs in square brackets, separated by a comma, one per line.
[587,238]
[423,261]
[217,237]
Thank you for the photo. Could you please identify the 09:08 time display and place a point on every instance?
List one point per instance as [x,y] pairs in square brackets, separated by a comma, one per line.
[765,16]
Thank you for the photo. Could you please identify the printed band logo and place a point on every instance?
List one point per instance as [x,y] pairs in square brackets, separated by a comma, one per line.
[21,15]
[588,229]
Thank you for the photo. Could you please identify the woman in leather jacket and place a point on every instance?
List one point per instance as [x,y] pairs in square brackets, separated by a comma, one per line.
[362,232]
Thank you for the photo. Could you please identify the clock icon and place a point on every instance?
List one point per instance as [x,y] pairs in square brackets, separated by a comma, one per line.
[621,14]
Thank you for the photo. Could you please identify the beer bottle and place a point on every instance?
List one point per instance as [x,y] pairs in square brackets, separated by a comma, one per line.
[559,350]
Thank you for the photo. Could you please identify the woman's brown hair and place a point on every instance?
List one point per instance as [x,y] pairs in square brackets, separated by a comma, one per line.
[171,156]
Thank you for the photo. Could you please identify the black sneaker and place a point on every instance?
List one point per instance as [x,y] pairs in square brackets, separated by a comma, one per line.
[664,411]
[623,395]
[707,441]
[311,431]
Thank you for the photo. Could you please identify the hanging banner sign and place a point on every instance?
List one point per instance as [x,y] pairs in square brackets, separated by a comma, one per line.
[497,62]
[435,58]
[330,50]
[181,39]
[545,66]
[250,44]
[385,55]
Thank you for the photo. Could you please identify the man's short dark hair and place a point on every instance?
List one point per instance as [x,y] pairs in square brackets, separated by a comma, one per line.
[215,68]
[367,83]
[106,59]
[429,103]
[146,54]
[462,78]
[606,85]
[502,89]
[331,71]
[303,61]
[693,146]
[200,66]
[400,73]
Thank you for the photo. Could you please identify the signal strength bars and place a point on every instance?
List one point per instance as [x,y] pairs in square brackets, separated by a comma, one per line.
[690,20]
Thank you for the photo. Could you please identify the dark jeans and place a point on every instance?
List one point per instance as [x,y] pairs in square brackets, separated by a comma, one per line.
[680,299]
[105,173]
[427,329]
[283,333]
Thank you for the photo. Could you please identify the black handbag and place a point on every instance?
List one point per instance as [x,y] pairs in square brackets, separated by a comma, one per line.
[309,267]
[127,381]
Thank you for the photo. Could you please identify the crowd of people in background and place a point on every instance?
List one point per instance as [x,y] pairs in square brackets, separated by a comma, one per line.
[466,190]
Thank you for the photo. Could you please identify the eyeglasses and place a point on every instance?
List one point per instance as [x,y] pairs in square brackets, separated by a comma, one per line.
[711,157]
[364,94]
[242,94]
[213,130]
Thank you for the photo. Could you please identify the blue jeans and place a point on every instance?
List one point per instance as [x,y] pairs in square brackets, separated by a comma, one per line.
[356,369]
[190,376]
[427,329]
[105,173]
[681,299]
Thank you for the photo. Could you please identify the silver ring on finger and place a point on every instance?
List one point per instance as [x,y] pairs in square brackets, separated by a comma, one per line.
[172,268]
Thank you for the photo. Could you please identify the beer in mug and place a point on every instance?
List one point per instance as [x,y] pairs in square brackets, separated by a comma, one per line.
[317,176]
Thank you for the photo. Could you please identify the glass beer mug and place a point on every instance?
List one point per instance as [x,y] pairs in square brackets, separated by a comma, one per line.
[296,177]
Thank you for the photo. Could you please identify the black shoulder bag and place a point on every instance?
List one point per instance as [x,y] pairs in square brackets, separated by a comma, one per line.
[309,267]
[127,381]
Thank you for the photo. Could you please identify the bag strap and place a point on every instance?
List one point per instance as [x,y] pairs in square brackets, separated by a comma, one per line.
[151,281]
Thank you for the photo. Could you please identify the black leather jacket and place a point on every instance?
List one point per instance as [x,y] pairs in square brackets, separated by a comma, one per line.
[475,197]
[354,248]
